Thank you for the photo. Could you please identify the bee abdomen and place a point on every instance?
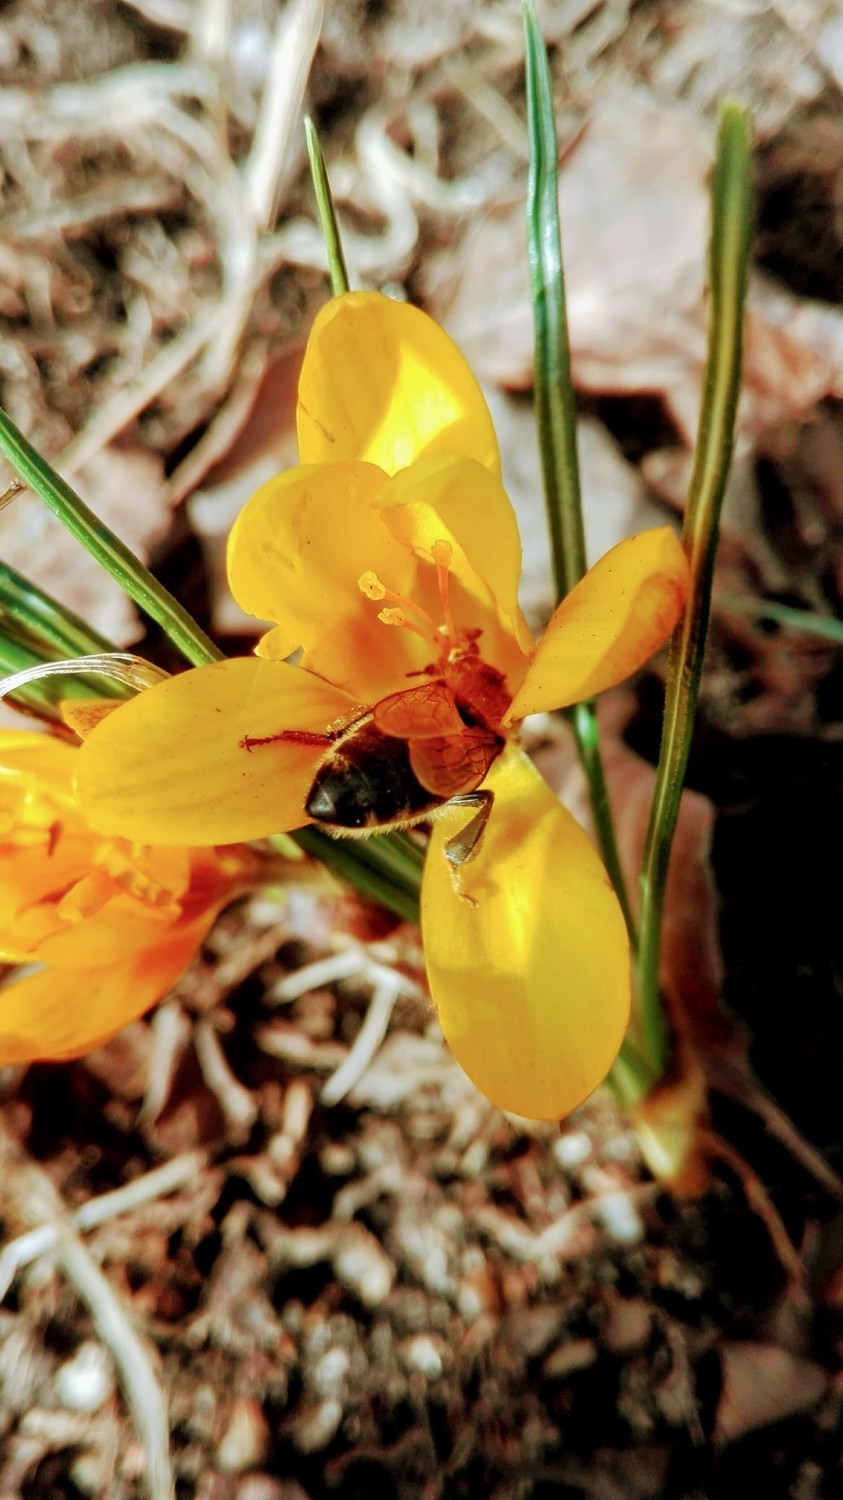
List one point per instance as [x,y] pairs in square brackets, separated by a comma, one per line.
[367,780]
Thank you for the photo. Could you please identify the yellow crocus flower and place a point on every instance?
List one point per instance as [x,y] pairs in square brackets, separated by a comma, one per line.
[390,560]
[103,927]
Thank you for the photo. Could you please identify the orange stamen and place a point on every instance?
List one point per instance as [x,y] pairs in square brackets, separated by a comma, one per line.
[370,585]
[397,617]
[442,553]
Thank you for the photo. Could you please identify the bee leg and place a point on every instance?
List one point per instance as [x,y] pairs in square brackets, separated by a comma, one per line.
[464,845]
[291,736]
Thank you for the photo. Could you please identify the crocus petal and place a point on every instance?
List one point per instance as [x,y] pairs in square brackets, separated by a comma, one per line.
[47,761]
[384,383]
[84,714]
[111,934]
[624,608]
[459,501]
[169,767]
[42,872]
[529,966]
[59,1014]
[295,555]
[44,847]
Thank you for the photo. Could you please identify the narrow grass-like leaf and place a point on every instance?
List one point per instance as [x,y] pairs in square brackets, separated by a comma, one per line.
[805,620]
[45,619]
[556,410]
[728,264]
[387,869]
[35,699]
[18,653]
[101,542]
[337,269]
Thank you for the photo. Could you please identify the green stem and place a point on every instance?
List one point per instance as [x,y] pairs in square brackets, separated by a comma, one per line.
[17,652]
[556,412]
[382,868]
[728,262]
[631,1077]
[101,542]
[35,699]
[785,614]
[337,269]
[46,619]
[583,721]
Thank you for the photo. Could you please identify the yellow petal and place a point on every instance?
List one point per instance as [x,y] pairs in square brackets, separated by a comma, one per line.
[459,501]
[532,982]
[83,715]
[169,767]
[47,761]
[44,846]
[624,608]
[32,881]
[115,925]
[384,383]
[62,1013]
[295,555]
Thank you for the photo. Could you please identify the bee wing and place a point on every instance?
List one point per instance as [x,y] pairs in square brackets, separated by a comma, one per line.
[418,712]
[449,764]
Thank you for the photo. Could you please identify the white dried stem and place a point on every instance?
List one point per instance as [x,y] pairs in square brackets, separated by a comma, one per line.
[294,43]
[36,1198]
[224,427]
[119,666]
[171,1032]
[165,1179]
[132,95]
[137,1376]
[238,1105]
[348,963]
[364,1047]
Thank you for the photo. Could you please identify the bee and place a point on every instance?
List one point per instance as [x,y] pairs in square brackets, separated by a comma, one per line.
[411,754]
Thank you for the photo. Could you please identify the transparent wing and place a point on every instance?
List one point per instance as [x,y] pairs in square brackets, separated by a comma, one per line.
[449,764]
[419,712]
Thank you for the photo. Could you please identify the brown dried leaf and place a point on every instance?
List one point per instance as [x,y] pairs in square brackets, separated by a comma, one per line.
[634,208]
[763,1384]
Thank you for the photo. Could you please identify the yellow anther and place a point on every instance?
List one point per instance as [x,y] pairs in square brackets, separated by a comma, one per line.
[402,612]
[398,617]
[442,552]
[370,585]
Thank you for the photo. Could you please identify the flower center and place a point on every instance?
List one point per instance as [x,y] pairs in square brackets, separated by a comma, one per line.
[478,688]
[407,615]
